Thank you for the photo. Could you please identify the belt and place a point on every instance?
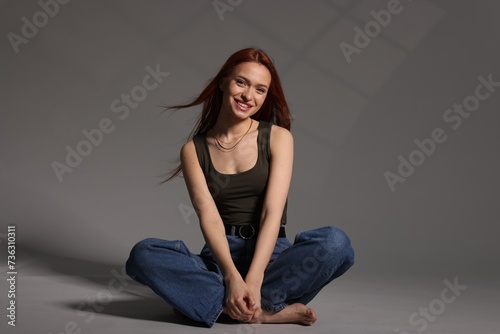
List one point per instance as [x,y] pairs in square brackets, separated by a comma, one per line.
[248,231]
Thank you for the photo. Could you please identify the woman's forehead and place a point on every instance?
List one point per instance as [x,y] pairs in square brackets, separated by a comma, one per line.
[253,71]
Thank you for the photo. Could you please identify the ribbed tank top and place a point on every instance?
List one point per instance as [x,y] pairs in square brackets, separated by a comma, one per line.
[239,197]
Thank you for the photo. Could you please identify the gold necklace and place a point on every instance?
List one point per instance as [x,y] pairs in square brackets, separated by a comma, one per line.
[223,148]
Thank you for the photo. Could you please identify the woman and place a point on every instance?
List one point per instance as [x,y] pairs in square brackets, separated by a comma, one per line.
[237,167]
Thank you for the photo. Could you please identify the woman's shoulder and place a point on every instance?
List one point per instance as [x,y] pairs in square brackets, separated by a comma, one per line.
[280,133]
[281,140]
[190,145]
[188,149]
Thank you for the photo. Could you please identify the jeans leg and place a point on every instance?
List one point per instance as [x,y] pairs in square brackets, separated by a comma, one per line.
[190,283]
[297,274]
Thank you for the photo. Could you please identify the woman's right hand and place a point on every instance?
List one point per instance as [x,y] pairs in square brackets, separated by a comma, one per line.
[240,301]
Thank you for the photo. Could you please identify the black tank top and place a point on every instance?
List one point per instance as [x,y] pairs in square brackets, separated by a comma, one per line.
[239,197]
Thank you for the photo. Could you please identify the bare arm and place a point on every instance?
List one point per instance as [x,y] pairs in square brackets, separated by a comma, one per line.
[277,191]
[239,301]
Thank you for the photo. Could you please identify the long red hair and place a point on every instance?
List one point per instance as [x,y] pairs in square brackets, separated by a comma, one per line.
[274,109]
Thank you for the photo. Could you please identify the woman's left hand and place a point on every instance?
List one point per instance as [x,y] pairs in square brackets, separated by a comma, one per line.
[255,288]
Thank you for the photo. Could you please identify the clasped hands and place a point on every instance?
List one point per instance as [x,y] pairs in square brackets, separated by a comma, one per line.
[243,300]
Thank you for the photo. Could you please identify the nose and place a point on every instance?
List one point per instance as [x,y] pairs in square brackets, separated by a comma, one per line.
[246,94]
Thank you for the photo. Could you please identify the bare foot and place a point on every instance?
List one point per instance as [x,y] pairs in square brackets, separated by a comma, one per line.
[292,314]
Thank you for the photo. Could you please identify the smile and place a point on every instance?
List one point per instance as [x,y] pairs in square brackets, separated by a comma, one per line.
[243,105]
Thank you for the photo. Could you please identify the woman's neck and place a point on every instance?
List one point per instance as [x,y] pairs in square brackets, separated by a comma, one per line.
[228,130]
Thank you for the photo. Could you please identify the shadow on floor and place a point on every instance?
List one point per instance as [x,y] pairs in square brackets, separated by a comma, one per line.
[87,271]
[150,309]
[145,305]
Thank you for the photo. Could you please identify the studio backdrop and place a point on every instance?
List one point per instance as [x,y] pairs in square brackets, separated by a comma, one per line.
[395,120]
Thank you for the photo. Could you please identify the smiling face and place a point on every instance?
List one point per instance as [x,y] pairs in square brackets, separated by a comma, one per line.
[245,90]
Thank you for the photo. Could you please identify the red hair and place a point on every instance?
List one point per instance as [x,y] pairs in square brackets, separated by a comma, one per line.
[274,109]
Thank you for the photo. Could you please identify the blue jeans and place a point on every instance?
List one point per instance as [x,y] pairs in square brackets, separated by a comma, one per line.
[194,285]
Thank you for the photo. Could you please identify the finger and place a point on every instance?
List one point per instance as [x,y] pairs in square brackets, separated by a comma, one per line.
[243,307]
[236,315]
[251,301]
[233,309]
[257,313]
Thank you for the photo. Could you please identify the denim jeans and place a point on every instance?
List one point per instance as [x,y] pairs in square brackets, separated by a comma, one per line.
[194,285]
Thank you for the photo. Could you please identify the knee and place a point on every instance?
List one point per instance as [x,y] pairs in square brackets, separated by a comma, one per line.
[336,243]
[336,237]
[142,248]
[139,255]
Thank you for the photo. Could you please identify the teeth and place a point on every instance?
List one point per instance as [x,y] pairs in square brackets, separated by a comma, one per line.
[243,105]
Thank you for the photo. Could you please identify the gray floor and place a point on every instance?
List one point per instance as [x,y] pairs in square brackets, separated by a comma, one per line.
[50,301]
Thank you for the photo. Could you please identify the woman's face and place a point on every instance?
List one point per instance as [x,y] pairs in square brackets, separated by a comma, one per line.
[245,90]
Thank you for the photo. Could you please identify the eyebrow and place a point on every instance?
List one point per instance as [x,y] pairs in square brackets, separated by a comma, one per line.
[246,79]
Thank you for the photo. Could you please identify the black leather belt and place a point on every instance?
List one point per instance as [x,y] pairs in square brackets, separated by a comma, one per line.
[248,231]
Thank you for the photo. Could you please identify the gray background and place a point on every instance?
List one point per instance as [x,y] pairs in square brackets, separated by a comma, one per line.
[351,122]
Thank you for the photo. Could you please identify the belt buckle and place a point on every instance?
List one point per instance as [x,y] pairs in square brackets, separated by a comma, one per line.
[244,235]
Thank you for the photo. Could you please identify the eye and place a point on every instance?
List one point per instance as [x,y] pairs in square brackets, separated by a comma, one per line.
[261,90]
[239,82]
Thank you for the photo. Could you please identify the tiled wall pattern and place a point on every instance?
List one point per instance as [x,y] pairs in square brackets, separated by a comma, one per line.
[353,116]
